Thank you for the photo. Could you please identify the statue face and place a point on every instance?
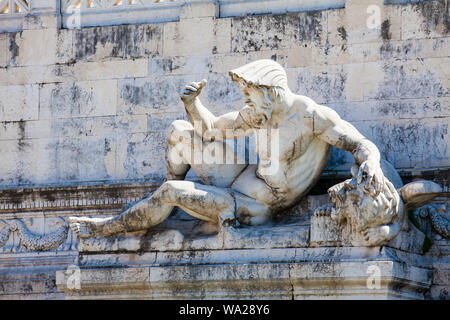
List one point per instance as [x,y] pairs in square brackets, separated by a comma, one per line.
[260,104]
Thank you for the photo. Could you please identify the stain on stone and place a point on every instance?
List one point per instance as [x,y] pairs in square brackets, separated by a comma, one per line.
[21,130]
[13,48]
[414,144]
[125,41]
[159,93]
[273,32]
[34,20]
[48,195]
[70,100]
[22,144]
[398,84]
[162,66]
[26,288]
[385,30]
[311,26]
[322,86]
[162,122]
[404,50]
[115,193]
[435,14]
[342,33]
[107,147]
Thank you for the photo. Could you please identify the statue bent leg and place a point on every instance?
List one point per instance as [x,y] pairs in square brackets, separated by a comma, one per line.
[207,203]
[215,203]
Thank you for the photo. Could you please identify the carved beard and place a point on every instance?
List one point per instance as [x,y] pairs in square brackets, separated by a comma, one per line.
[258,119]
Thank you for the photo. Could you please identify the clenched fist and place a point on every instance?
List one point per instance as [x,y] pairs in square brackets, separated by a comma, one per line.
[192,90]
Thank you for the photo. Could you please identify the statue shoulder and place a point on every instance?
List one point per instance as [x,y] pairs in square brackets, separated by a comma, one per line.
[325,114]
[314,110]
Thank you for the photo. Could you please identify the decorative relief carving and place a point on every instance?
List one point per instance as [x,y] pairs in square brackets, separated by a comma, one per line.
[104,4]
[5,233]
[24,213]
[87,13]
[72,197]
[40,242]
[432,217]
[32,241]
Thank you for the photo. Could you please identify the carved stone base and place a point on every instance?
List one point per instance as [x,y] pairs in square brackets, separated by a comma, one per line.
[278,273]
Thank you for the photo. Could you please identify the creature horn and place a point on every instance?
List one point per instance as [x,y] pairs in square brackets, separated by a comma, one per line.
[419,193]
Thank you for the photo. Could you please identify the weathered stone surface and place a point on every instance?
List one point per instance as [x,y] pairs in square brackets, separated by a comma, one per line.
[368,20]
[19,103]
[271,236]
[278,32]
[39,47]
[197,36]
[117,42]
[270,273]
[425,20]
[78,99]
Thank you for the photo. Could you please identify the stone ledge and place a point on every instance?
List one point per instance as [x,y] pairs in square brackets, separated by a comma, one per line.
[309,273]
[282,235]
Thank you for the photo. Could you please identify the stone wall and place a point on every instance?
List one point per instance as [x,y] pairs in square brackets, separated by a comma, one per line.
[92,105]
[84,111]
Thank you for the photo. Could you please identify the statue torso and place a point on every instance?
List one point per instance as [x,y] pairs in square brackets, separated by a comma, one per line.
[302,155]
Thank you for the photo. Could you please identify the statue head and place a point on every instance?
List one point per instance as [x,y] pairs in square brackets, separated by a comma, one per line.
[264,85]
[364,209]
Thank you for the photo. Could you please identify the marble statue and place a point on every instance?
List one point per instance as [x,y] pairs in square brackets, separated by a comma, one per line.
[242,193]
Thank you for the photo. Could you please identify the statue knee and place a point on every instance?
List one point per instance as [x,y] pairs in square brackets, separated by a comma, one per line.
[253,219]
[252,212]
[179,131]
[169,188]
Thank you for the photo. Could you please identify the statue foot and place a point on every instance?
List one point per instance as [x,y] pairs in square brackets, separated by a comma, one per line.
[82,226]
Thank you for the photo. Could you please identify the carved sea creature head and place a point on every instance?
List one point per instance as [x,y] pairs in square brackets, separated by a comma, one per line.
[363,209]
[264,85]
[353,202]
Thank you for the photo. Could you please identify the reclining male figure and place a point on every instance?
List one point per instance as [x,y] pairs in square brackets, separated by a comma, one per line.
[249,194]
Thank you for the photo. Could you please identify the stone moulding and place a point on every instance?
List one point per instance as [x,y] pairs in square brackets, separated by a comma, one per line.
[36,215]
[81,13]
[238,8]
[110,196]
[89,13]
[289,273]
[28,14]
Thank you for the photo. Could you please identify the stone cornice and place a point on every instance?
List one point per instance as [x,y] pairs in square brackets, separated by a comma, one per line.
[69,198]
